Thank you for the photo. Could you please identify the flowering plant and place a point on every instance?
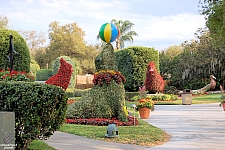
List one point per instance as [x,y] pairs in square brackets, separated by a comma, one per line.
[15,76]
[107,76]
[144,101]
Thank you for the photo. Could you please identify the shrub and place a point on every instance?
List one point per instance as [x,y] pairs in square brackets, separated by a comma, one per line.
[39,109]
[70,92]
[129,95]
[21,61]
[79,92]
[132,63]
[43,74]
[15,76]
[34,67]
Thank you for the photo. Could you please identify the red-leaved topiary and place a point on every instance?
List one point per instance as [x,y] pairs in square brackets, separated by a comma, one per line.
[154,81]
[62,77]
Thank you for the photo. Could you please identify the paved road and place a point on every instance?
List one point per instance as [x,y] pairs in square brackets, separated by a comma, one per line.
[192,127]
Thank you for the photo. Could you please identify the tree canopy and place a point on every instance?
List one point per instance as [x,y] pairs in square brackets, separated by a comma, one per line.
[126,34]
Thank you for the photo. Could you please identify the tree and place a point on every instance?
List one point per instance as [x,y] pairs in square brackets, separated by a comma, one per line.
[125,32]
[214,12]
[68,40]
[3,22]
[35,41]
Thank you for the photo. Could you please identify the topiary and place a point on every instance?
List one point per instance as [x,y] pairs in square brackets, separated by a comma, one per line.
[56,65]
[21,61]
[106,99]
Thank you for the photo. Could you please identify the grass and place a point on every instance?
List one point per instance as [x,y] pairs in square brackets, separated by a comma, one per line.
[202,99]
[143,135]
[39,145]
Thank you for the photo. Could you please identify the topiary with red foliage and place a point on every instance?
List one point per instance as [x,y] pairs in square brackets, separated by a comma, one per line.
[62,77]
[154,82]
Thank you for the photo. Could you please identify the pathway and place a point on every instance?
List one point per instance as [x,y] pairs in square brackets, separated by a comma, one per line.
[192,127]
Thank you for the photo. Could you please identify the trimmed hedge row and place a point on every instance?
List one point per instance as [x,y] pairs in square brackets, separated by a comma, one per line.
[43,74]
[39,109]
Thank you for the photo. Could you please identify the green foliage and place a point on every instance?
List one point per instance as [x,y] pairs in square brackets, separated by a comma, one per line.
[99,102]
[56,65]
[15,76]
[39,145]
[79,92]
[34,67]
[39,109]
[105,100]
[133,62]
[70,92]
[157,97]
[21,62]
[43,74]
[126,34]
[129,95]
[171,90]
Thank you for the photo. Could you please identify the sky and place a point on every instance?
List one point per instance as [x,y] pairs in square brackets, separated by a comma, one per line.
[158,23]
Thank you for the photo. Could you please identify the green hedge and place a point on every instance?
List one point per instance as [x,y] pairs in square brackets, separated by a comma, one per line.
[21,62]
[39,109]
[79,92]
[132,63]
[43,74]
[129,95]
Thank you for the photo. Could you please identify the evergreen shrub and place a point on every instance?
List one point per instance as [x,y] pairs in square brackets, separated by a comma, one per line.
[21,61]
[39,109]
[132,63]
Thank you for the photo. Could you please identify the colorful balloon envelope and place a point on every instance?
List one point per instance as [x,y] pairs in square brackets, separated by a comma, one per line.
[108,32]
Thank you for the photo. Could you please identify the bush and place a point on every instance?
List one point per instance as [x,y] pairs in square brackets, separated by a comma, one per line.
[43,74]
[132,63]
[70,92]
[34,67]
[157,97]
[79,92]
[21,62]
[129,95]
[39,109]
[15,76]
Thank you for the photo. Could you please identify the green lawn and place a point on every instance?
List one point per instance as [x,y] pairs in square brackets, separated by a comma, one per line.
[143,135]
[39,145]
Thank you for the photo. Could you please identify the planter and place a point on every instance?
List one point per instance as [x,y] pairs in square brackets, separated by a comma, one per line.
[144,113]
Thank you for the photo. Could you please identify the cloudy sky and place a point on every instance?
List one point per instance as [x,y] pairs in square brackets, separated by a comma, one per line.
[159,23]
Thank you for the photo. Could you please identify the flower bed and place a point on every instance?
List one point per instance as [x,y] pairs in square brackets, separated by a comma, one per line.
[103,121]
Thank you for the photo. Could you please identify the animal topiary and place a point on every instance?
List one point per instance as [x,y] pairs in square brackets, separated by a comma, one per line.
[106,99]
[154,82]
[62,77]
